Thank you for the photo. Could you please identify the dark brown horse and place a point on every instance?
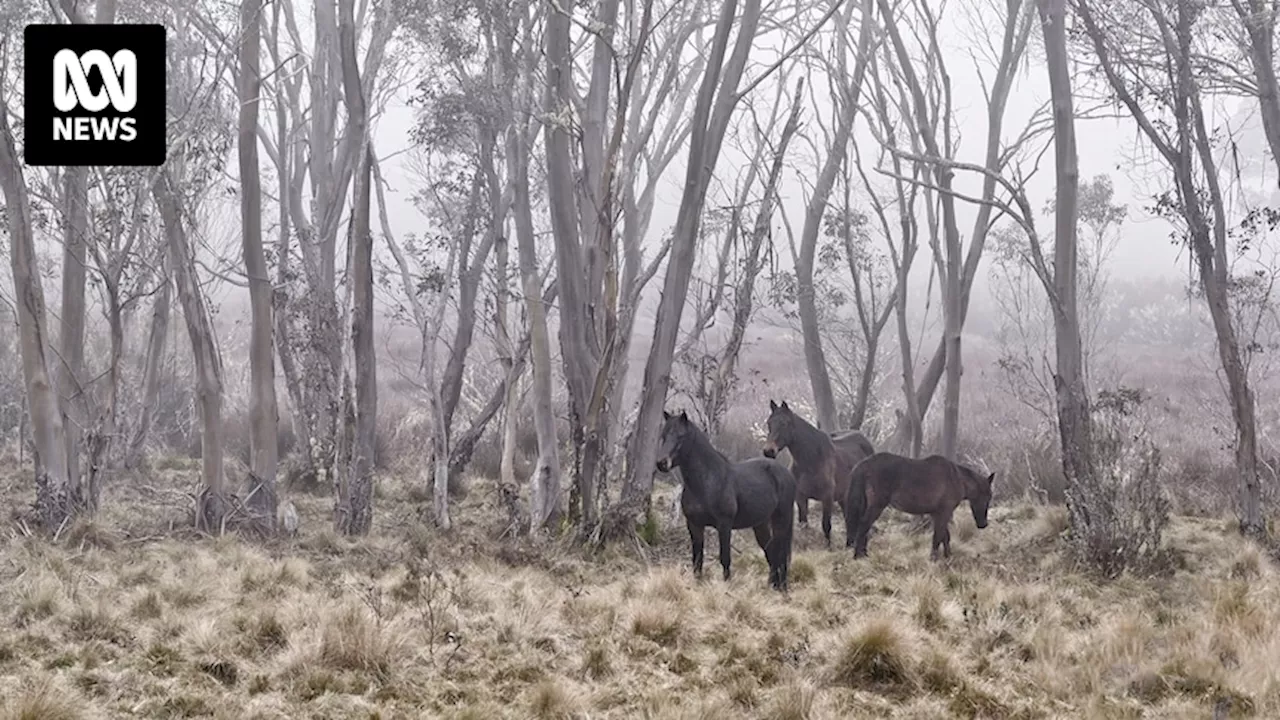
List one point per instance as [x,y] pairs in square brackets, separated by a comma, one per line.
[822,462]
[756,493]
[930,486]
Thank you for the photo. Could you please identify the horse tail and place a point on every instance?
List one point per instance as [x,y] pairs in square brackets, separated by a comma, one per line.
[856,501]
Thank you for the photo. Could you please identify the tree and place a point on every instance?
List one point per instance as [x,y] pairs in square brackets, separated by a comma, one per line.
[716,99]
[354,505]
[716,372]
[1015,22]
[54,485]
[263,413]
[847,98]
[1165,101]
[1259,20]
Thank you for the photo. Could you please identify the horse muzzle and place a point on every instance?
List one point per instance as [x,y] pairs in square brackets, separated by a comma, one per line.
[771,452]
[982,524]
[664,465]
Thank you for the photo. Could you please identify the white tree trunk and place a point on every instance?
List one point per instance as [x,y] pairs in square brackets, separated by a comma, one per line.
[54,501]
[263,410]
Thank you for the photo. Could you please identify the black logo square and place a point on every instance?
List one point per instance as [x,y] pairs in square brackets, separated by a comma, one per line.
[95,95]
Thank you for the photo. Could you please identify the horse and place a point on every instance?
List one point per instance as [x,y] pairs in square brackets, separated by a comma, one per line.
[822,462]
[930,486]
[757,493]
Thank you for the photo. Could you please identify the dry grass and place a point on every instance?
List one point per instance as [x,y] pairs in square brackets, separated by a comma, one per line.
[410,624]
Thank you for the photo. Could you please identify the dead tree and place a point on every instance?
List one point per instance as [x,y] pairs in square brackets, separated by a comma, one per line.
[1165,101]
[716,382]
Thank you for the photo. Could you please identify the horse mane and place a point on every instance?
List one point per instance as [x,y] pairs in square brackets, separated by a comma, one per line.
[704,440]
[810,436]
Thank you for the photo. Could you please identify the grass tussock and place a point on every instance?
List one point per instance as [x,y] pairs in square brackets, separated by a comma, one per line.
[411,623]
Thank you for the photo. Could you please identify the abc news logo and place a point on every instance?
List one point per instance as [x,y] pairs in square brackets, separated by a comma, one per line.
[95,95]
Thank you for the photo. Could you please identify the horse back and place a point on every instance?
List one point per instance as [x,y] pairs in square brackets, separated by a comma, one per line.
[916,486]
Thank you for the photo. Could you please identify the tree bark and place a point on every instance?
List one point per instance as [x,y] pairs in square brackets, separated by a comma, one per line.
[1074,417]
[211,509]
[544,482]
[355,507]
[54,491]
[263,411]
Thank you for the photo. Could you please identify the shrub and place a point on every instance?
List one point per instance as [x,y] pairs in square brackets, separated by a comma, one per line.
[1118,516]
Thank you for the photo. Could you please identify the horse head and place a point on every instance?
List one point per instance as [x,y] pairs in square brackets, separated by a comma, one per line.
[674,429]
[978,491]
[779,426]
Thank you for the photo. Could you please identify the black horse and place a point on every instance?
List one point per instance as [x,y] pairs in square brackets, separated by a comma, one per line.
[758,493]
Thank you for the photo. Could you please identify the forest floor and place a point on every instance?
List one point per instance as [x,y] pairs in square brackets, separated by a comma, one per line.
[127,617]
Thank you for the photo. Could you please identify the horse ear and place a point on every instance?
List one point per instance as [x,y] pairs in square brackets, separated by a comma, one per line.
[784,405]
[666,415]
[991,479]
[684,417]
[772,405]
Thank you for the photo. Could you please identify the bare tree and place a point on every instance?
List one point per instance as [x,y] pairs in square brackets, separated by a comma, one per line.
[716,99]
[716,372]
[354,506]
[847,100]
[263,413]
[54,488]
[70,373]
[213,506]
[1183,141]
[1016,22]
[544,481]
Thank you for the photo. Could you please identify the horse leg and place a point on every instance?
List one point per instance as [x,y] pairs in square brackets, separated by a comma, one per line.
[946,536]
[941,535]
[697,538]
[869,517]
[827,506]
[764,537]
[802,508]
[725,529]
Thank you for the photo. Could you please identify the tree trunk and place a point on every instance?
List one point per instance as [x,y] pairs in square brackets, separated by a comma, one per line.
[355,509]
[1074,418]
[263,412]
[544,482]
[814,357]
[511,385]
[1013,46]
[716,99]
[151,374]
[211,509]
[72,395]
[54,491]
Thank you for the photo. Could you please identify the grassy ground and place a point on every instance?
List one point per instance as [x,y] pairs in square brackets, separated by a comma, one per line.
[126,618]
